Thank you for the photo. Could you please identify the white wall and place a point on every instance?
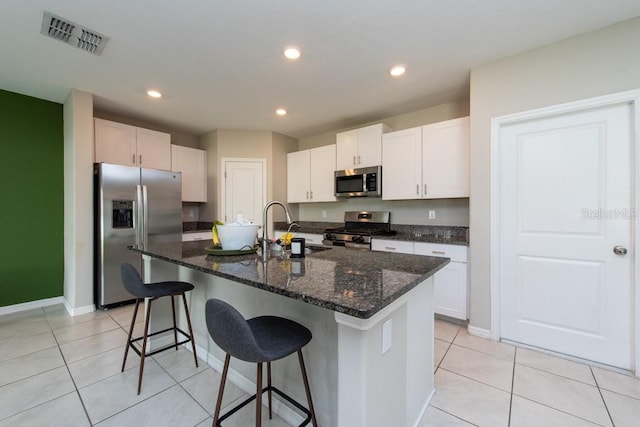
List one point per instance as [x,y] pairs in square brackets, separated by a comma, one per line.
[78,202]
[593,64]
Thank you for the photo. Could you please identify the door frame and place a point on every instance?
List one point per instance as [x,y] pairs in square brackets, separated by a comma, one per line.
[223,185]
[631,97]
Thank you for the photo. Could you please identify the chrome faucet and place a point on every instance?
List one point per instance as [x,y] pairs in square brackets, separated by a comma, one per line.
[265,240]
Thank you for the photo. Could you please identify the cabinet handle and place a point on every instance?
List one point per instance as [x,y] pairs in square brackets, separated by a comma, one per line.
[358,159]
[307,195]
[133,159]
[391,248]
[425,189]
[354,160]
[311,195]
[418,189]
[140,158]
[438,252]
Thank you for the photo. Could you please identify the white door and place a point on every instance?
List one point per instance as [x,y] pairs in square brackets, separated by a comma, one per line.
[244,189]
[565,204]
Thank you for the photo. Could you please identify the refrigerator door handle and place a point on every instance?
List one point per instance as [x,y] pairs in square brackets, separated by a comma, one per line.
[145,216]
[137,216]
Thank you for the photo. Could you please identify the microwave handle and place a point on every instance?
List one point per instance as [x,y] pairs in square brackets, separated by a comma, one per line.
[364,185]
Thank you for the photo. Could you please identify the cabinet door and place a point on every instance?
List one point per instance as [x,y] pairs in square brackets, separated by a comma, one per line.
[450,290]
[322,167]
[346,149]
[115,143]
[153,149]
[450,283]
[193,165]
[401,164]
[298,177]
[369,146]
[445,159]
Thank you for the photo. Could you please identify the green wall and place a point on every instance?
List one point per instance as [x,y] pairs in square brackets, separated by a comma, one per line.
[31,194]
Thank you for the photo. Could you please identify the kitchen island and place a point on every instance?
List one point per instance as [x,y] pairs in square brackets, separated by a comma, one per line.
[370,361]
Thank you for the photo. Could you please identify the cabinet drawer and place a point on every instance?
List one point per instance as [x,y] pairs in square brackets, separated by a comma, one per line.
[399,246]
[455,252]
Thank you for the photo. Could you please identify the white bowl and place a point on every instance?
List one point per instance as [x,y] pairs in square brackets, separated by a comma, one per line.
[236,236]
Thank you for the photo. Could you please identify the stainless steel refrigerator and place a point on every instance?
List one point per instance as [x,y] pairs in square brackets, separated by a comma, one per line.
[132,206]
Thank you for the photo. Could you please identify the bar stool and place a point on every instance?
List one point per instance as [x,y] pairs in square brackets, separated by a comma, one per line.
[258,340]
[133,283]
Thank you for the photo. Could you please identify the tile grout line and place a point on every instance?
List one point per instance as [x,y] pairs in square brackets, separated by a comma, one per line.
[604,402]
[66,365]
[513,380]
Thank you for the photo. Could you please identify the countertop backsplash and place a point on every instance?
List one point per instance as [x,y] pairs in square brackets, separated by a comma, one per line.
[418,233]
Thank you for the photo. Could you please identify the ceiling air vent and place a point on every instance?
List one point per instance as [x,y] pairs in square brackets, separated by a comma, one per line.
[71,33]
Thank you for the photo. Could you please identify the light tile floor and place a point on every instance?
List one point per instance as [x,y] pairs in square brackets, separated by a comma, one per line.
[62,370]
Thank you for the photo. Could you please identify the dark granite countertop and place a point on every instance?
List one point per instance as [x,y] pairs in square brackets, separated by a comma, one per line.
[354,282]
[444,234]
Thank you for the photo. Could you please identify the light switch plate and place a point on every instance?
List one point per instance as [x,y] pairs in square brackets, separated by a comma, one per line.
[432,214]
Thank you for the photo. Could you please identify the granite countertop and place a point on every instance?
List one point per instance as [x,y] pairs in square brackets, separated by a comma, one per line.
[443,234]
[354,282]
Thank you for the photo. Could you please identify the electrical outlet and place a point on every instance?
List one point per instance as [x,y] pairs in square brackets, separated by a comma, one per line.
[432,214]
[386,336]
[324,213]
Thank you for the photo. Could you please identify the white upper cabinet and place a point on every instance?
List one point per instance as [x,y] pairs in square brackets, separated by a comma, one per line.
[402,164]
[310,175]
[298,176]
[445,159]
[359,148]
[193,165]
[427,162]
[127,145]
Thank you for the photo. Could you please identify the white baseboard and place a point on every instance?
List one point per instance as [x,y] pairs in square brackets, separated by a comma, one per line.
[479,332]
[30,305]
[424,409]
[79,310]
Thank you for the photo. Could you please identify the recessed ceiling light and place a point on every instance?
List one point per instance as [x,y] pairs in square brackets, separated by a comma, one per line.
[154,93]
[397,70]
[292,52]
[281,112]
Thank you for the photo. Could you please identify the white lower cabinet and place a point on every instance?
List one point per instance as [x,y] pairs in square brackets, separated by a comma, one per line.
[450,283]
[310,238]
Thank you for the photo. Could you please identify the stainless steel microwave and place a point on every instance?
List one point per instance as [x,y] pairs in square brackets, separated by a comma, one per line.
[362,182]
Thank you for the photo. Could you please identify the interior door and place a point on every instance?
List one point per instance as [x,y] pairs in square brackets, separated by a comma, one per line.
[244,189]
[566,217]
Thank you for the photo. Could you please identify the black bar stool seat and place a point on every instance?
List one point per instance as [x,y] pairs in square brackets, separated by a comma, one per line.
[258,340]
[136,287]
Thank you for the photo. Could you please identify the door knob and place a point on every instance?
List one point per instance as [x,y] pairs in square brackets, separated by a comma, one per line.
[619,250]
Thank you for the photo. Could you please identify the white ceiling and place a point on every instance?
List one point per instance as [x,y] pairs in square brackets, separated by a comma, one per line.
[219,64]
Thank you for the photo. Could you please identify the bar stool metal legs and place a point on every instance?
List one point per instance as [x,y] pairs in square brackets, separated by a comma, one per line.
[310,413]
[143,351]
[151,292]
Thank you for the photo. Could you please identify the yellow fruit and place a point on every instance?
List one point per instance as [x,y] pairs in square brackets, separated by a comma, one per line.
[286,238]
[214,233]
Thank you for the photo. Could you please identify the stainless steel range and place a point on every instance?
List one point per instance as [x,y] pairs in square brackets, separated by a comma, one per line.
[358,229]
